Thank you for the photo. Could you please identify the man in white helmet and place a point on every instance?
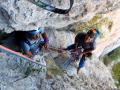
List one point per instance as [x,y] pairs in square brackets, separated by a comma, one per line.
[33,41]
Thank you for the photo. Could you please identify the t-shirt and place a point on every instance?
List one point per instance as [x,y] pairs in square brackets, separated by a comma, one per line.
[31,45]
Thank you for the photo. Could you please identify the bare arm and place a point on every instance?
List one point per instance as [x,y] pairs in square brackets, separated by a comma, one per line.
[76,43]
[45,37]
[29,54]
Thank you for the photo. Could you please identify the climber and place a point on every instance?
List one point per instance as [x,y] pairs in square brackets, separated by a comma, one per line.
[86,43]
[33,42]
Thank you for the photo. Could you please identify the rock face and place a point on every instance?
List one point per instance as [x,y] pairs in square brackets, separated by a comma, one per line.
[23,15]
[16,75]
[112,39]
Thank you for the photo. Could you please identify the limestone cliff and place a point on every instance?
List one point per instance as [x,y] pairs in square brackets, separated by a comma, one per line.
[85,14]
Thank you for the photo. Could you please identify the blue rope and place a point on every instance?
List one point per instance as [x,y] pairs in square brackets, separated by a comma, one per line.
[52,8]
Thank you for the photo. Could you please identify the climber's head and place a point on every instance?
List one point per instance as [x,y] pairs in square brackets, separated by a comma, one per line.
[34,34]
[90,35]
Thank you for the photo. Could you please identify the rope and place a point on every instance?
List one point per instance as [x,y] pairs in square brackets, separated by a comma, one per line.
[52,8]
[17,54]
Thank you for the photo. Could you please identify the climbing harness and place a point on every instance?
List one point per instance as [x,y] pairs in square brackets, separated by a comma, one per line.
[52,8]
[73,58]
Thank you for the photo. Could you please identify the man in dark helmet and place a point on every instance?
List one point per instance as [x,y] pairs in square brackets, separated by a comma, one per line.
[84,45]
[33,41]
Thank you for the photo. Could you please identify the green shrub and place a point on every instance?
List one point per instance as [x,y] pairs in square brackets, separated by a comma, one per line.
[112,56]
[115,54]
[116,74]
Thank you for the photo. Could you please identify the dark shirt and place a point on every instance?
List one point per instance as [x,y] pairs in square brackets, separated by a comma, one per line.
[31,45]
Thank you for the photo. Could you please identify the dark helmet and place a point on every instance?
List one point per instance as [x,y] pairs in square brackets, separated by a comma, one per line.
[92,32]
